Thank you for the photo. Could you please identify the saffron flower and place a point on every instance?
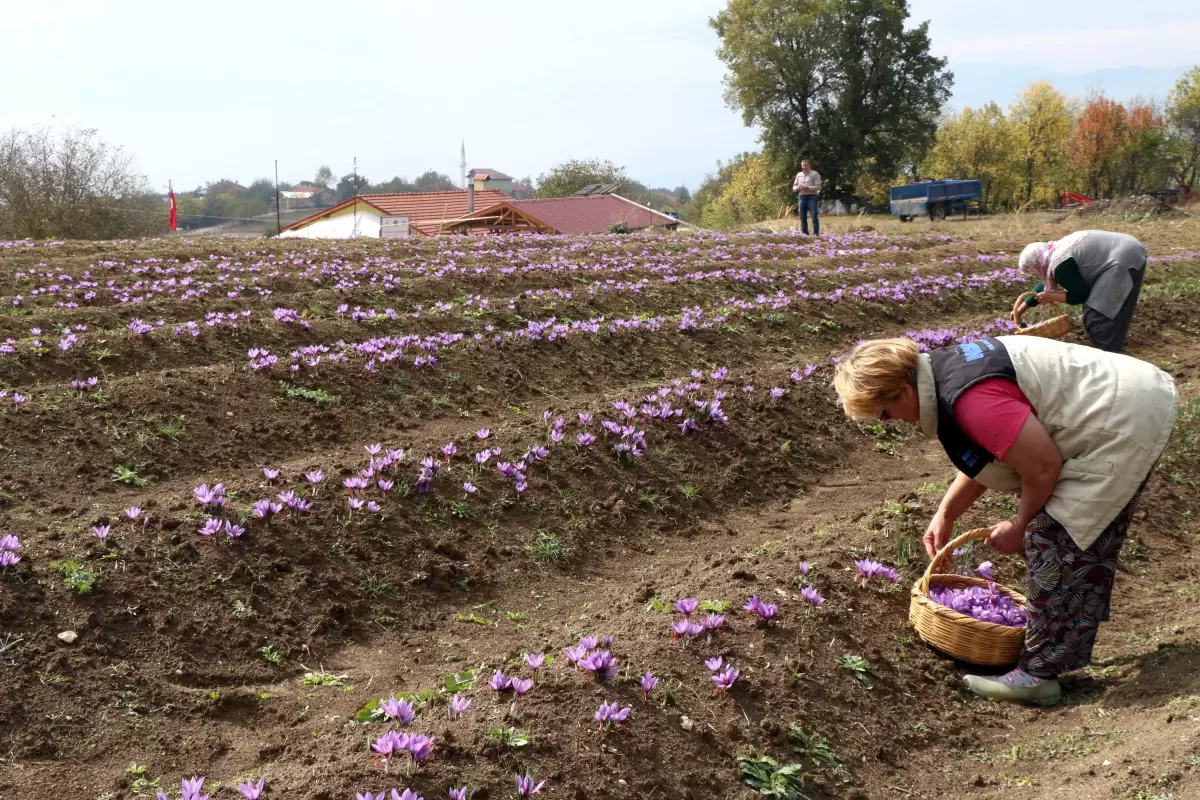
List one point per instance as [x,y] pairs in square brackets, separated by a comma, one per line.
[985,570]
[401,710]
[9,544]
[459,705]
[589,642]
[251,791]
[233,531]
[585,439]
[535,660]
[100,532]
[373,449]
[482,456]
[776,393]
[575,654]
[713,622]
[687,607]
[812,595]
[714,664]
[585,419]
[210,498]
[608,713]
[649,684]
[385,485]
[388,745]
[470,488]
[314,477]
[211,528]
[271,474]
[355,503]
[526,786]
[458,794]
[500,682]
[449,450]
[8,559]
[407,794]
[725,680]
[685,627]
[482,434]
[764,611]
[191,789]
[132,513]
[868,569]
[521,685]
[601,664]
[805,568]
[420,747]
[373,507]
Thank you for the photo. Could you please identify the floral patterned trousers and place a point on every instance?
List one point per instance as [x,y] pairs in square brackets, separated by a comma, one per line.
[1069,592]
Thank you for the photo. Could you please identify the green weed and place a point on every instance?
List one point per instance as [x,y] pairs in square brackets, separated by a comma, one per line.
[859,667]
[318,396]
[76,576]
[769,778]
[127,476]
[547,547]
[271,655]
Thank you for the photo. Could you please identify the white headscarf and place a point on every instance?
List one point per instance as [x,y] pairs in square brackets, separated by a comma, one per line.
[1035,258]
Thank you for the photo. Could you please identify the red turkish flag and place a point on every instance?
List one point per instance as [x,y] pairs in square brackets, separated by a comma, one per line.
[173,220]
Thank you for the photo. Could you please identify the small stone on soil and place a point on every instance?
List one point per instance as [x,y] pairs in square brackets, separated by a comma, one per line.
[68,637]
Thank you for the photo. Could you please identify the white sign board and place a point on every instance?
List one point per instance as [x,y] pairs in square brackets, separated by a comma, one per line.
[393,227]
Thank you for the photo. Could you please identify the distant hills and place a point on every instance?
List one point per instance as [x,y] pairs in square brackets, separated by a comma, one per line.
[977,83]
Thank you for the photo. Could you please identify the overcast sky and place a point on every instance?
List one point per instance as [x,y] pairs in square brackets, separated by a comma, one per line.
[219,89]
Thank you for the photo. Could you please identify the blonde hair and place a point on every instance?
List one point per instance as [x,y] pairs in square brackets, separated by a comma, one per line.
[874,375]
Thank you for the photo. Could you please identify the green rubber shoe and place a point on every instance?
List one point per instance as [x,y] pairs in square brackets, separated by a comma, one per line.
[1045,693]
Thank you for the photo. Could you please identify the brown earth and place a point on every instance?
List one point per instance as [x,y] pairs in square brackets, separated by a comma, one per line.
[167,672]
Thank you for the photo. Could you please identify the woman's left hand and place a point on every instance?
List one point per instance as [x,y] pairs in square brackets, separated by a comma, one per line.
[1051,296]
[1006,537]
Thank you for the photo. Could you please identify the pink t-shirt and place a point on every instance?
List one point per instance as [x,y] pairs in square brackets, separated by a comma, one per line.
[992,412]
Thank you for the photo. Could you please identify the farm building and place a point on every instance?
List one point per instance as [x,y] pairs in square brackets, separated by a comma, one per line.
[387,215]
[491,180]
[593,214]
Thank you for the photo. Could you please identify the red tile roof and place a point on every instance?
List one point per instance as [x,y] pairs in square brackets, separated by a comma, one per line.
[426,210]
[593,214]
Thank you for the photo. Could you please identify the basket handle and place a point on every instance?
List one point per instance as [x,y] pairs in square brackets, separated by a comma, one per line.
[936,563]
[1016,316]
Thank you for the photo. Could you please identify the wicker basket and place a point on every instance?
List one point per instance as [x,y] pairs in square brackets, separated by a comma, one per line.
[1053,328]
[958,635]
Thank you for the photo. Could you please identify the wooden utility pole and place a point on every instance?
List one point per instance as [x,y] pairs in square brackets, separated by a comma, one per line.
[278,224]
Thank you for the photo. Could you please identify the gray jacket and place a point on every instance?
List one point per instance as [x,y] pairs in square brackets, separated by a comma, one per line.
[1105,260]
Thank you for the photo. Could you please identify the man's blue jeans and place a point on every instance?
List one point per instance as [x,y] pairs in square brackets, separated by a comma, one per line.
[808,204]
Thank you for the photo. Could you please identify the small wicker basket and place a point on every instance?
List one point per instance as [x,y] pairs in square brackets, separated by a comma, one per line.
[1053,328]
[959,635]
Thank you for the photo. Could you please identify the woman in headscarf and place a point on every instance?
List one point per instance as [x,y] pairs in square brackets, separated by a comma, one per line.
[1074,431]
[1101,270]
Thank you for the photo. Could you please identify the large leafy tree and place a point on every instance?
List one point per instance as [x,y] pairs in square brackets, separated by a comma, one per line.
[1100,134]
[1183,119]
[432,181]
[746,195]
[977,143]
[840,82]
[1041,124]
[567,178]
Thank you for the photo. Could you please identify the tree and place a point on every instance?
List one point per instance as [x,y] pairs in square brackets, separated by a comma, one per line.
[682,194]
[324,177]
[396,185]
[1097,139]
[839,82]
[70,185]
[1143,161]
[977,143]
[262,189]
[430,181]
[1041,125]
[351,185]
[747,195]
[567,178]
[1183,119]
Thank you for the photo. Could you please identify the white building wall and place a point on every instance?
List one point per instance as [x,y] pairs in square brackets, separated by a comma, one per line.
[344,225]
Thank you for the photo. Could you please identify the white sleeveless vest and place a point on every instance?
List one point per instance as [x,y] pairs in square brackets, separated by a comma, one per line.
[1110,416]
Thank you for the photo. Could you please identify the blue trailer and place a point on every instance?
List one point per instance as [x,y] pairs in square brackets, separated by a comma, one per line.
[937,199]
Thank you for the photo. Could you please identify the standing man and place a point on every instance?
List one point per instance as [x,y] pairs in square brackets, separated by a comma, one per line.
[807,185]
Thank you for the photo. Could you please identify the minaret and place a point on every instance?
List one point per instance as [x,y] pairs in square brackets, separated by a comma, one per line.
[462,165]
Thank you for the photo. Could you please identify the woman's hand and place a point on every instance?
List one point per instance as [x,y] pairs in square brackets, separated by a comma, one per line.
[1006,537]
[937,534]
[1051,296]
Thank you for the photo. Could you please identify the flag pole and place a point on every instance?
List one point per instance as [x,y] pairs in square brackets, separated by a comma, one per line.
[278,224]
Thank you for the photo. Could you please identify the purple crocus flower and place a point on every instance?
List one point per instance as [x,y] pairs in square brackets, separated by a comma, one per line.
[211,528]
[521,685]
[407,794]
[585,419]
[373,507]
[9,544]
[314,477]
[687,606]
[100,532]
[385,485]
[985,570]
[458,794]
[373,449]
[535,660]
[500,682]
[388,745]
[262,509]
[725,680]
[575,654]
[649,684]
[355,503]
[482,456]
[601,664]
[251,791]
[233,531]
[714,664]
[271,474]
[449,450]
[713,622]
[420,747]
[585,439]
[287,498]
[589,642]
[811,595]
[805,568]
[470,488]
[191,789]
[482,434]
[8,559]
[776,393]
[459,704]
[609,713]
[526,787]
[132,513]
[401,710]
